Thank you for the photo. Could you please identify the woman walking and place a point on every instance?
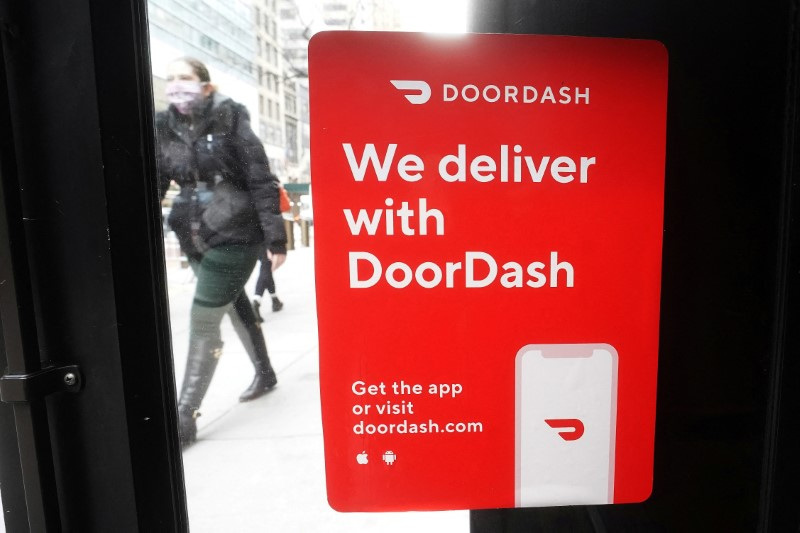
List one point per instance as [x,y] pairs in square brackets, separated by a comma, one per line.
[226,214]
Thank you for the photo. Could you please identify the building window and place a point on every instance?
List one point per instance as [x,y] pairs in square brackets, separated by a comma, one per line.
[290,105]
[291,142]
[209,44]
[295,34]
[260,104]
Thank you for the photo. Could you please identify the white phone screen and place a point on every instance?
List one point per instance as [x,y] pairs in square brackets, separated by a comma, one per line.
[566,424]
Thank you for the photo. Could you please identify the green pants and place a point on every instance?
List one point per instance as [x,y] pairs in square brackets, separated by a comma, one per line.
[221,276]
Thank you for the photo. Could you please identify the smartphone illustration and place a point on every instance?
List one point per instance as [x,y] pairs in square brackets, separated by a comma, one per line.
[566,406]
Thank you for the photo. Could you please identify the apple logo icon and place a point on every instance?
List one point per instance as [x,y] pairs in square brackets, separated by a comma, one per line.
[361,458]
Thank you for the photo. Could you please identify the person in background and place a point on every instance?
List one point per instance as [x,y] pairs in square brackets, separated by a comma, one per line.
[266,282]
[265,279]
[225,216]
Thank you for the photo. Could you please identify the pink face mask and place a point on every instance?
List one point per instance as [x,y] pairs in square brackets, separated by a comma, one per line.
[183,93]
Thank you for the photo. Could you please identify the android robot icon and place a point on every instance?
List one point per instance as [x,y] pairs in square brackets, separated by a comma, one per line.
[389,457]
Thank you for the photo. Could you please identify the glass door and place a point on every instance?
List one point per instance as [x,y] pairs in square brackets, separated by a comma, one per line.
[94,282]
[257,462]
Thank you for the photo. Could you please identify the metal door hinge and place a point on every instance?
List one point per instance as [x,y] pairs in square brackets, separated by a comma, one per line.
[37,385]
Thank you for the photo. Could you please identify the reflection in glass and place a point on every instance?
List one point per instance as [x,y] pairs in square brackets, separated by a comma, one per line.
[256,465]
[226,217]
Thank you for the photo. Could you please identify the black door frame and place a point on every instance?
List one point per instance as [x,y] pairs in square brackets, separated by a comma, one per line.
[79,105]
[726,425]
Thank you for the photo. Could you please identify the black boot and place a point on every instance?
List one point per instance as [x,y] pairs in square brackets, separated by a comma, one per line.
[187,426]
[249,330]
[257,311]
[201,363]
[263,382]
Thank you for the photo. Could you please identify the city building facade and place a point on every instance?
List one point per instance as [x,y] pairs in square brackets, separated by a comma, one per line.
[220,34]
[257,53]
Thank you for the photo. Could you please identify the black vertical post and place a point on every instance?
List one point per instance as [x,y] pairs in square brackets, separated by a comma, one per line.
[726,421]
[80,108]
[20,338]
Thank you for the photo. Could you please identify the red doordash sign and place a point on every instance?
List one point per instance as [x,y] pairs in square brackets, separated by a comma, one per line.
[488,230]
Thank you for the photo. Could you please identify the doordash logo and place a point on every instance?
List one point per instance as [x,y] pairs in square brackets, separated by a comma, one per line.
[573,426]
[419,92]
[422,89]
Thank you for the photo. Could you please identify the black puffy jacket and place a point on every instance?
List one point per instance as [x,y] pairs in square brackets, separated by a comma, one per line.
[228,194]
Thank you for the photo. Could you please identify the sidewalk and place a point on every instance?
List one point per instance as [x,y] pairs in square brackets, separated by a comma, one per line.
[259,466]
